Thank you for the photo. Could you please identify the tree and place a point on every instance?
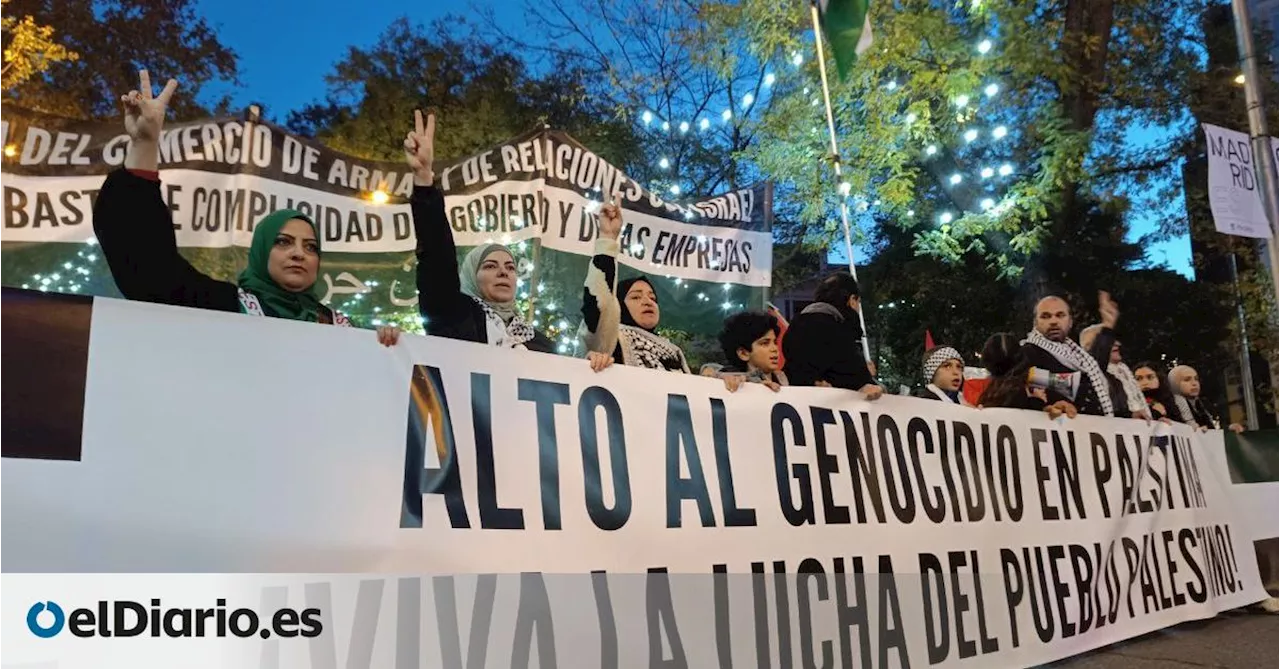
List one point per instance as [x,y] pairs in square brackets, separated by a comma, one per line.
[113,39]
[1039,93]
[482,94]
[29,49]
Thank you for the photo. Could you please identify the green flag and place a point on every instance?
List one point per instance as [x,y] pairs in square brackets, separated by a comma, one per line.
[848,29]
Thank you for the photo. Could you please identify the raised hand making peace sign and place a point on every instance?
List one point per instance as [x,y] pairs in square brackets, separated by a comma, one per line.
[143,120]
[419,148]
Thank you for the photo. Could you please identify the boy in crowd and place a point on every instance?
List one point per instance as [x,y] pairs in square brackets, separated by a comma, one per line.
[750,344]
[943,368]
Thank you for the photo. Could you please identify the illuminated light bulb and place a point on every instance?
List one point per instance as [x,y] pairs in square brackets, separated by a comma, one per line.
[748,99]
[725,287]
[955,179]
[1239,80]
[845,188]
[813,102]
[66,265]
[984,46]
[892,85]
[987,203]
[876,203]
[92,241]
[987,173]
[551,306]
[991,90]
[684,126]
[930,150]
[962,101]
[675,190]
[647,117]
[911,118]
[379,196]
[562,325]
[666,125]
[806,90]
[999,132]
[726,306]
[769,79]
[945,218]
[10,150]
[911,213]
[664,163]
[1006,169]
[726,114]
[970,135]
[797,59]
[704,124]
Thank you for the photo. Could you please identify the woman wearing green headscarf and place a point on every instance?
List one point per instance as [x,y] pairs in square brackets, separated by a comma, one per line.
[134,226]
[474,301]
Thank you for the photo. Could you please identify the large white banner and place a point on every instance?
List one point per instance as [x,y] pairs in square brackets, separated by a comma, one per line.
[1234,197]
[220,176]
[891,533]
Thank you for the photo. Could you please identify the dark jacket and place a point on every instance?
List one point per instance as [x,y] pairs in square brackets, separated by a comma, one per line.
[448,311]
[134,227]
[823,344]
[1086,399]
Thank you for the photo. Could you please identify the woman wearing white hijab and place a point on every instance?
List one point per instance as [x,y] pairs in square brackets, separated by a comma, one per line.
[474,302]
[1184,381]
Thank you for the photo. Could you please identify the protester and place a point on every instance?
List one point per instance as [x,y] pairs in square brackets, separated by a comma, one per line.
[1126,396]
[943,368]
[750,344]
[1156,393]
[474,302]
[1049,347]
[134,227]
[823,345]
[1184,381]
[623,332]
[1005,359]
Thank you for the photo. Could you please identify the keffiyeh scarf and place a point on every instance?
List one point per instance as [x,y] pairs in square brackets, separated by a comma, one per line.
[505,334]
[1077,359]
[1133,394]
[936,358]
[641,348]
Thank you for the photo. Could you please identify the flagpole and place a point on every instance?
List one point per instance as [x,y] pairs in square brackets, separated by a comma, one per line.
[835,161]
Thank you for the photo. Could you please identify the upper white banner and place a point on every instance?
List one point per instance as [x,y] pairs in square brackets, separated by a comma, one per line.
[221,176]
[1234,197]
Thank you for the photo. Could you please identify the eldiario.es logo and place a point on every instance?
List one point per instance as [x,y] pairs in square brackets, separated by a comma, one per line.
[125,618]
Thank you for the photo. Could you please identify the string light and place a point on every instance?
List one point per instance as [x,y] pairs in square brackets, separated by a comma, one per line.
[666,125]
[797,59]
[748,99]
[911,213]
[987,173]
[675,189]
[999,132]
[704,124]
[845,188]
[962,101]
[970,135]
[1006,169]
[984,46]
[647,117]
[911,118]
[769,79]
[684,127]
[892,85]
[664,163]
[930,150]
[726,114]
[945,218]
[991,90]
[956,179]
[987,203]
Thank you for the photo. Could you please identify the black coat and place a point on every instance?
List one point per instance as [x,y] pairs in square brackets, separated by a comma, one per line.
[447,310]
[1087,396]
[819,346]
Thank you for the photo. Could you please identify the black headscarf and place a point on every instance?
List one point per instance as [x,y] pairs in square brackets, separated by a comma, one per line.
[624,287]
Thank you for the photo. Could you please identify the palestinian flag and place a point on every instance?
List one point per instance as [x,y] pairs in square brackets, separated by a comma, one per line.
[848,30]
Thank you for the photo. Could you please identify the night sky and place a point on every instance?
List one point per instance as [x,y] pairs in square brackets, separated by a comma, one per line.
[286,47]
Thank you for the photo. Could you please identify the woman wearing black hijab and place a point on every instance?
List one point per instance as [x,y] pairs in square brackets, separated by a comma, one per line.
[620,318]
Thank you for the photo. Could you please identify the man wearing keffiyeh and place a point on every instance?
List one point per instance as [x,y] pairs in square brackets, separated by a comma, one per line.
[1049,346]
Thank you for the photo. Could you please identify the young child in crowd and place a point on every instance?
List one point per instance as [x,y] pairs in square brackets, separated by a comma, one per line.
[943,368]
[750,343]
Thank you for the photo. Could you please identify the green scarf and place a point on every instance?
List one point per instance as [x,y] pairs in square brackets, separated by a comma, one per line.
[467,278]
[255,278]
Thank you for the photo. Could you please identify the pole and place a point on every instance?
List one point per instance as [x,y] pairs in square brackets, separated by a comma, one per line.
[1263,158]
[1246,366]
[835,161]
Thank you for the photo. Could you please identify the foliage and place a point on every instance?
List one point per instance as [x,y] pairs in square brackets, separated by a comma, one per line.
[114,38]
[483,95]
[1056,66]
[29,49]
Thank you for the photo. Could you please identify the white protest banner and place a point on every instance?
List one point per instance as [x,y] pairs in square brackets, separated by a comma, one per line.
[908,531]
[1234,197]
[220,176]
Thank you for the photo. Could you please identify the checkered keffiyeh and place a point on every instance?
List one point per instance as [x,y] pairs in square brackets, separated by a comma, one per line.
[936,358]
